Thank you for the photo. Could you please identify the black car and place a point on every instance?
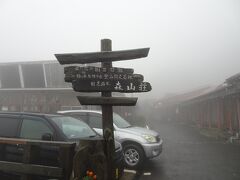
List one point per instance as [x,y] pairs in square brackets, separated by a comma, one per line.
[39,126]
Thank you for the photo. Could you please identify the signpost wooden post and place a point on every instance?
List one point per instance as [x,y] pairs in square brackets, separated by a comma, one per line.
[107,117]
[105,79]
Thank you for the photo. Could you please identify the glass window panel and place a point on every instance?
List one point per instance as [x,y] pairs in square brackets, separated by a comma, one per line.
[9,76]
[33,75]
[95,122]
[34,129]
[8,126]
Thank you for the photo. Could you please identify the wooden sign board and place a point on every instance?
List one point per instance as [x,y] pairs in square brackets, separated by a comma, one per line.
[124,86]
[93,69]
[102,76]
[114,101]
[103,56]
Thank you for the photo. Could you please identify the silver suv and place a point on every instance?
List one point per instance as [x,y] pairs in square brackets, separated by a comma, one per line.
[138,143]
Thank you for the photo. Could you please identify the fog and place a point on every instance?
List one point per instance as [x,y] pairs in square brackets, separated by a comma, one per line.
[193,43]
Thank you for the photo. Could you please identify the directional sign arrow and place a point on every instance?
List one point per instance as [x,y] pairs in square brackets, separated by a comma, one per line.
[69,77]
[125,86]
[104,56]
[93,69]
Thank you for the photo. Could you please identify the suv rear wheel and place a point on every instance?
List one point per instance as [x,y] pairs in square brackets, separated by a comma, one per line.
[133,155]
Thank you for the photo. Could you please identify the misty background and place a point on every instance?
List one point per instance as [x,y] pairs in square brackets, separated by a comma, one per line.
[193,43]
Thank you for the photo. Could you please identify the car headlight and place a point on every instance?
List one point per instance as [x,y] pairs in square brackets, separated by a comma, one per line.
[149,138]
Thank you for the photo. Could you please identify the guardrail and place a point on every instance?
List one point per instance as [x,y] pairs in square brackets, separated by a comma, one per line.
[23,157]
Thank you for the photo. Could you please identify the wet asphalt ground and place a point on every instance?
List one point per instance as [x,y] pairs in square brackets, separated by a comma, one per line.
[188,155]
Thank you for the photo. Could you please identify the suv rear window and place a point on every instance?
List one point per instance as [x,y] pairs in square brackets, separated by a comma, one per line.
[8,126]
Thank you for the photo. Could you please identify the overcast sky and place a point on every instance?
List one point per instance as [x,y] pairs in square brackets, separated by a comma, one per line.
[193,42]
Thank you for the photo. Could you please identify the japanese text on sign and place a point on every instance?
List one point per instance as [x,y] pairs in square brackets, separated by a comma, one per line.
[92,69]
[116,86]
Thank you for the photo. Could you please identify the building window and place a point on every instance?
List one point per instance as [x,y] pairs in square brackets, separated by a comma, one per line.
[33,75]
[55,76]
[9,76]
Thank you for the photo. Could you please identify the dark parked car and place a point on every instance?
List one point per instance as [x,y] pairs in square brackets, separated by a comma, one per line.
[39,126]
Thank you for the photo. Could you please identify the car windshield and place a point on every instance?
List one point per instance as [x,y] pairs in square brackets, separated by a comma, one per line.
[120,122]
[73,128]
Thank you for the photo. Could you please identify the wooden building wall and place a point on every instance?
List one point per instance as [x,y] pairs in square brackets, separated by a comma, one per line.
[36,101]
[221,112]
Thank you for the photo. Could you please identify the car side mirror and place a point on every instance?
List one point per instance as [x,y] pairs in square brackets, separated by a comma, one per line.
[47,137]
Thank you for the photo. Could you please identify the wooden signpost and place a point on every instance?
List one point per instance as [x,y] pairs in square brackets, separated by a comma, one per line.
[105,79]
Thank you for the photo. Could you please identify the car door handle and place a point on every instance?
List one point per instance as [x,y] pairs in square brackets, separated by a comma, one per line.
[19,147]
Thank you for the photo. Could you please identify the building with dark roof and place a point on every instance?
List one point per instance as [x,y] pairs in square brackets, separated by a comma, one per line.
[219,108]
[207,107]
[36,86]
